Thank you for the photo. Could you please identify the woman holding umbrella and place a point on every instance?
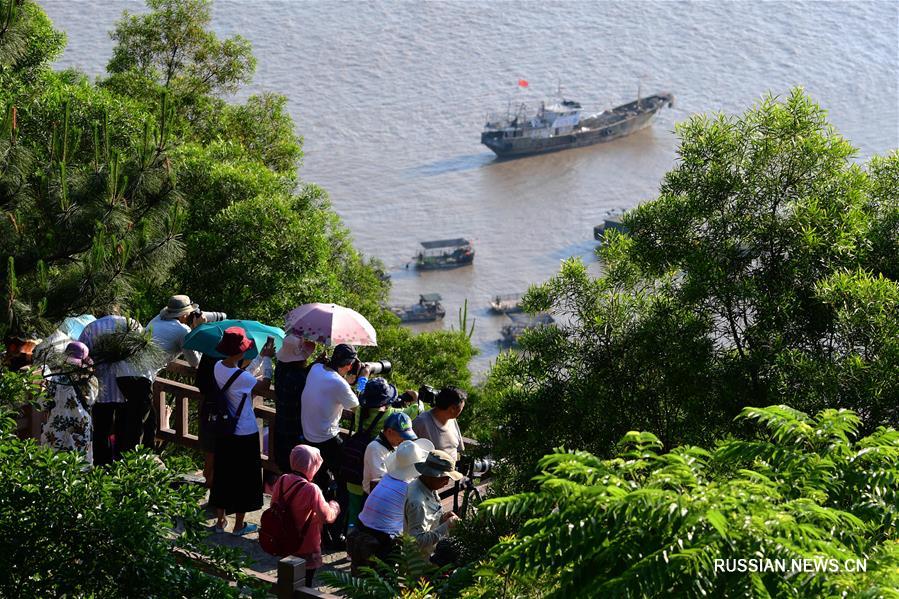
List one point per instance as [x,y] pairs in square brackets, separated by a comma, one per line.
[237,478]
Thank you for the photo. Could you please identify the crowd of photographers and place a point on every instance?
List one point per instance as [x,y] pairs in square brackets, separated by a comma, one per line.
[359,492]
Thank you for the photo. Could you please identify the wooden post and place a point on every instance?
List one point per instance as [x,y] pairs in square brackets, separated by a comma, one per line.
[180,417]
[291,576]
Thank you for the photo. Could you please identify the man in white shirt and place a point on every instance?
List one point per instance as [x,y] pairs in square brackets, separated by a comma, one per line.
[326,394]
[171,326]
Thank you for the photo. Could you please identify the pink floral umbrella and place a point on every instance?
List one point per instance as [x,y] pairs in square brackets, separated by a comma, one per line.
[330,324]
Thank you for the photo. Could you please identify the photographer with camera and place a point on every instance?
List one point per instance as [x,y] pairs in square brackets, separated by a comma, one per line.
[168,329]
[424,517]
[326,394]
[439,423]
[293,368]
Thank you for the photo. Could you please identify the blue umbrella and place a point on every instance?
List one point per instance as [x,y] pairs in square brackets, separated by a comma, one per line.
[205,337]
[73,325]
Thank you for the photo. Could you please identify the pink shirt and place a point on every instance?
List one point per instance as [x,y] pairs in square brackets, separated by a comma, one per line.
[307,497]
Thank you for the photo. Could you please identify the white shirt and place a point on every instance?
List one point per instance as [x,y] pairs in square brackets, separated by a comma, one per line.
[169,336]
[374,463]
[325,396]
[243,385]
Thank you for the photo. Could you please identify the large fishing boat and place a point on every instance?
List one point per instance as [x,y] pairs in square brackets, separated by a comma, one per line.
[561,125]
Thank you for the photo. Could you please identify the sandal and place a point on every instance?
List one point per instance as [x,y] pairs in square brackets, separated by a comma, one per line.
[247,529]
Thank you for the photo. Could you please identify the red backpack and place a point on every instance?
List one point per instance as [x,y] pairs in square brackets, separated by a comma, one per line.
[278,534]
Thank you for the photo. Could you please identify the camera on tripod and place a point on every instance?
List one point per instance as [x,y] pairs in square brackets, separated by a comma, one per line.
[477,467]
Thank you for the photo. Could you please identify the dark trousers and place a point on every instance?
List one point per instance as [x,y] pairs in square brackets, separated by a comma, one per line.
[329,480]
[138,410]
[107,421]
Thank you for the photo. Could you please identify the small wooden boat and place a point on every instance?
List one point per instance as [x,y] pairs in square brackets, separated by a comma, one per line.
[427,309]
[521,323]
[506,304]
[613,222]
[444,253]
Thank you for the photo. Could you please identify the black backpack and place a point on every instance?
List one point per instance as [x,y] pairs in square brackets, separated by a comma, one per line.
[218,417]
[354,452]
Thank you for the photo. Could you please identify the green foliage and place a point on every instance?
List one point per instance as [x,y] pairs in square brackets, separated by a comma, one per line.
[79,531]
[762,273]
[412,577]
[436,358]
[273,254]
[651,524]
[28,44]
[98,120]
[77,234]
[172,46]
[216,175]
[262,126]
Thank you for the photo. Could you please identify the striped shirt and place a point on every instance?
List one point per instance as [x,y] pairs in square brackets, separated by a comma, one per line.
[384,507]
[106,373]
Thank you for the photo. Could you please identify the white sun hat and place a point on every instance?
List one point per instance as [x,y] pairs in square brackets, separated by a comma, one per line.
[401,462]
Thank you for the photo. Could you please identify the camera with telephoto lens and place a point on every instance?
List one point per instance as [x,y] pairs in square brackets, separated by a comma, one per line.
[477,467]
[209,316]
[426,394]
[374,368]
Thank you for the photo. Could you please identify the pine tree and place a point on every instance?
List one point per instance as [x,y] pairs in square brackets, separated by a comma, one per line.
[79,237]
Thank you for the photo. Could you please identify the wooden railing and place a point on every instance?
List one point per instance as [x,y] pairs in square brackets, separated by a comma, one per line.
[176,402]
[290,582]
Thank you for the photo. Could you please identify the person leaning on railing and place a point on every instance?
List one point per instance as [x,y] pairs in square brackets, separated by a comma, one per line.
[439,424]
[381,521]
[168,330]
[376,405]
[424,518]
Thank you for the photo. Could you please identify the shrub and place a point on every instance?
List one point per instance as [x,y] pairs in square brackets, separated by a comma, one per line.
[651,524]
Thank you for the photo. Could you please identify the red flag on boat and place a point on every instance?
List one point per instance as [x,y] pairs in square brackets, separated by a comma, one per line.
[522,83]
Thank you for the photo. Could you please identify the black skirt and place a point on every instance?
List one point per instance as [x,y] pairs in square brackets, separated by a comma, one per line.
[237,479]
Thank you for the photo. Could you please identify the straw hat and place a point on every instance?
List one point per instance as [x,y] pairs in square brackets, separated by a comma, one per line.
[401,463]
[178,306]
[438,464]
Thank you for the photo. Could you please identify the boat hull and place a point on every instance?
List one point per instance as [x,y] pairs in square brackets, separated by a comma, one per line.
[515,147]
[434,265]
